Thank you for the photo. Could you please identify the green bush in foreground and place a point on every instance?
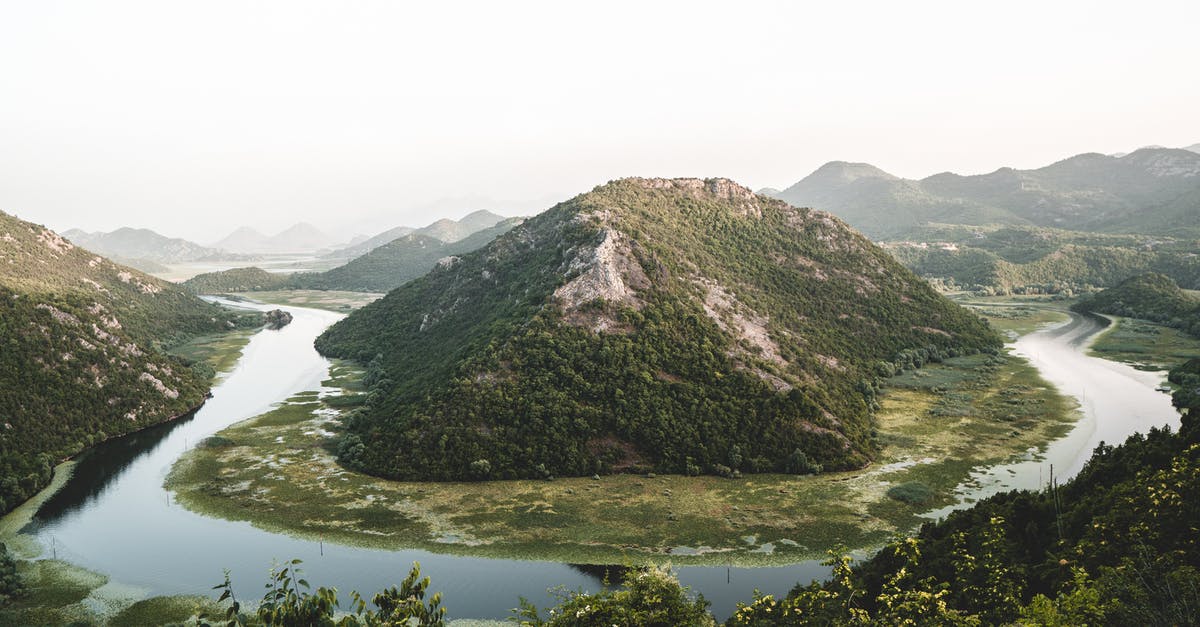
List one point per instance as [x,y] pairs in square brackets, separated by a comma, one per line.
[651,597]
[289,603]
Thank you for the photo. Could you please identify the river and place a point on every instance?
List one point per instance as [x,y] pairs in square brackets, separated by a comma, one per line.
[113,516]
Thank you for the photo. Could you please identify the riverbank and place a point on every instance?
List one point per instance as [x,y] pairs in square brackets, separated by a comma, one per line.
[936,424]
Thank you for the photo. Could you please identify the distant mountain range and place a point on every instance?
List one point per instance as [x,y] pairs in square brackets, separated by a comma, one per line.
[132,245]
[298,238]
[444,230]
[379,270]
[1151,191]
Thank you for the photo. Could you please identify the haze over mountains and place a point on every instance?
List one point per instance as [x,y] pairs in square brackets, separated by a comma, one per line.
[298,238]
[444,230]
[1150,191]
[374,267]
[134,244]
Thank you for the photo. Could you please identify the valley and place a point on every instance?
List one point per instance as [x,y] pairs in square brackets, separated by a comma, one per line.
[579,322]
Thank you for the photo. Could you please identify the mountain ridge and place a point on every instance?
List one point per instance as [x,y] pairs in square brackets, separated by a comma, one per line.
[1150,190]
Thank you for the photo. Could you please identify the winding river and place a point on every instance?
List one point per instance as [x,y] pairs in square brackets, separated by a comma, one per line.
[113,516]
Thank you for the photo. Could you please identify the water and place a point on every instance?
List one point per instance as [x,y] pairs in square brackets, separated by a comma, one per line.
[114,516]
[1116,400]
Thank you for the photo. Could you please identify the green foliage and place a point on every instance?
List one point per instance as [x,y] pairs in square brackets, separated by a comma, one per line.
[1024,260]
[81,359]
[11,586]
[912,492]
[648,597]
[1153,297]
[288,602]
[480,360]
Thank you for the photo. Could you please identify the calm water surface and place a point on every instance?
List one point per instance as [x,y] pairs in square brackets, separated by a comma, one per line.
[114,516]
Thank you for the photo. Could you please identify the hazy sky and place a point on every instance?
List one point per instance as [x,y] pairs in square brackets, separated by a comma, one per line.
[194,117]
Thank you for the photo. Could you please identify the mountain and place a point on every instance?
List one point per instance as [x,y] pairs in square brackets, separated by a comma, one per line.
[82,356]
[389,266]
[444,230]
[1193,148]
[140,244]
[243,240]
[682,325]
[1151,190]
[882,205]
[301,237]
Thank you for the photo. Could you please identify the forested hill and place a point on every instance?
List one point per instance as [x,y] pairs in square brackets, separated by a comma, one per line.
[1151,297]
[683,325]
[80,352]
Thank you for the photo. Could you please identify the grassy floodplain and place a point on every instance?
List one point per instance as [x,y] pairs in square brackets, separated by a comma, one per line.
[1144,344]
[936,424]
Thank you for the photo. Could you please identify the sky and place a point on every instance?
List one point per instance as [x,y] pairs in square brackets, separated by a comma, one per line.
[193,118]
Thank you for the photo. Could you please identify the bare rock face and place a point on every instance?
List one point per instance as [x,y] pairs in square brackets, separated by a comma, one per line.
[604,275]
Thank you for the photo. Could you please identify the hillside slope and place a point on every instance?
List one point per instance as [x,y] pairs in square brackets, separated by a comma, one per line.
[81,355]
[683,325]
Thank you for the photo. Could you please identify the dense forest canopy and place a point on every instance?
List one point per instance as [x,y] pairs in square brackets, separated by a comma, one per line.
[681,325]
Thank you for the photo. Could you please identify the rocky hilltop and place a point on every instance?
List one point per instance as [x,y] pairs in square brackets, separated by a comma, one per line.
[681,325]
